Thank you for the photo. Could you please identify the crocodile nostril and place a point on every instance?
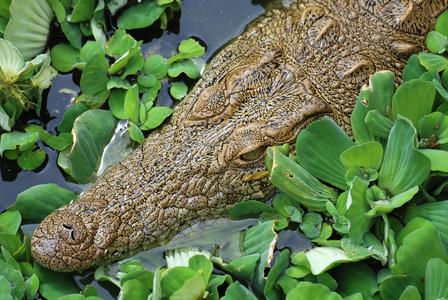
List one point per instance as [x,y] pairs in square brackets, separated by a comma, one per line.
[67,226]
[73,235]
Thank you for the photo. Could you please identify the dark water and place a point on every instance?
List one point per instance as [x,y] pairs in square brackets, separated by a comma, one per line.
[214,22]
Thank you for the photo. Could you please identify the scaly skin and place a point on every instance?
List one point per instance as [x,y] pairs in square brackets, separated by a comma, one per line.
[290,68]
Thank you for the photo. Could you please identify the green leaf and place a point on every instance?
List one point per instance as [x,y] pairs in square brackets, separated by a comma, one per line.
[133,289]
[156,66]
[311,225]
[413,69]
[356,277]
[438,159]
[394,286]
[4,9]
[116,82]
[141,15]
[215,282]
[187,67]
[54,284]
[90,49]
[73,33]
[69,117]
[378,124]
[442,24]
[10,221]
[358,224]
[237,291]
[29,26]
[24,141]
[318,149]
[410,293]
[386,206]
[367,155]
[136,133]
[147,80]
[249,209]
[178,90]
[63,57]
[94,78]
[281,263]
[155,117]
[30,160]
[39,201]
[243,266]
[14,279]
[377,96]
[32,286]
[436,42]
[413,100]
[401,159]
[436,279]
[174,279]
[308,290]
[127,61]
[82,11]
[116,104]
[91,131]
[188,48]
[120,43]
[418,248]
[131,103]
[435,213]
[433,61]
[297,183]
[201,264]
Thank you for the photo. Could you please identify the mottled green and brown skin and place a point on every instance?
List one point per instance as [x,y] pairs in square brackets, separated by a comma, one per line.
[293,66]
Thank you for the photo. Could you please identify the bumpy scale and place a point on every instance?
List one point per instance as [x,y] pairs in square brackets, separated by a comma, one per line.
[293,66]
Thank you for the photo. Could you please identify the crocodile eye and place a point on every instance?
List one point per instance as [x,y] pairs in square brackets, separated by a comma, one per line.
[253,155]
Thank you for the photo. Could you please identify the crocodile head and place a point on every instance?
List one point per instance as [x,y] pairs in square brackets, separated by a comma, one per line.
[289,69]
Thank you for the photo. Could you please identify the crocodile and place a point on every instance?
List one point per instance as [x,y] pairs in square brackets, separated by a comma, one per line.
[289,68]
